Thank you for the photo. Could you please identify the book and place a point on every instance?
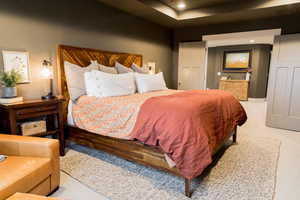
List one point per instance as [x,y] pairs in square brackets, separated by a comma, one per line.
[11,100]
[2,158]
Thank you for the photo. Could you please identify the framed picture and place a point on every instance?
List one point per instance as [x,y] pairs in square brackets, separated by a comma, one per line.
[19,61]
[237,61]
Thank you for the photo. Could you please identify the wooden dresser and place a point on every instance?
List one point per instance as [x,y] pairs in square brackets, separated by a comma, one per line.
[239,88]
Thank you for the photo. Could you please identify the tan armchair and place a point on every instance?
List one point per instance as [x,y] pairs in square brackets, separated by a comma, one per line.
[32,165]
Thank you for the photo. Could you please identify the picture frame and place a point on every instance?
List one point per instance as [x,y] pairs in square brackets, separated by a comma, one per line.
[19,61]
[237,61]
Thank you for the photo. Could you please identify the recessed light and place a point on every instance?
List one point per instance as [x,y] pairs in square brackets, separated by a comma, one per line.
[181,5]
[251,41]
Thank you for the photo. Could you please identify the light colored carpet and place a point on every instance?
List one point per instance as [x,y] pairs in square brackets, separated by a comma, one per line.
[246,171]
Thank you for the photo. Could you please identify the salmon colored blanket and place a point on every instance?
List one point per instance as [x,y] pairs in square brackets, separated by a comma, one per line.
[188,126]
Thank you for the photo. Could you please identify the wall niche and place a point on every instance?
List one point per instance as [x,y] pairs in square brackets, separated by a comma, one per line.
[260,64]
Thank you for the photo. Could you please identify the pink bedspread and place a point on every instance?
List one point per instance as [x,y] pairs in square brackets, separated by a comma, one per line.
[188,126]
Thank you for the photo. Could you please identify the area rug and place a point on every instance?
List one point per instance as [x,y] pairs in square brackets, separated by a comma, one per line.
[245,171]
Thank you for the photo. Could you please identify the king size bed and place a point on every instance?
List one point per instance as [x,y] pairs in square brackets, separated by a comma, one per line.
[174,131]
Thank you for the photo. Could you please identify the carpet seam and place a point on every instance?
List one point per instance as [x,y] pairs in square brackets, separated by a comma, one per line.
[276,169]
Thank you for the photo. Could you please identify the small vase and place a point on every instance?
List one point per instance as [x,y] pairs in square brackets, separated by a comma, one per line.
[9,92]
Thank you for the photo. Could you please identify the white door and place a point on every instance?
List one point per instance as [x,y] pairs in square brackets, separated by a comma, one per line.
[191,65]
[284,85]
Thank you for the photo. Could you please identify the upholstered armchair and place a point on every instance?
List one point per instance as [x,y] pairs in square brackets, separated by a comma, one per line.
[32,165]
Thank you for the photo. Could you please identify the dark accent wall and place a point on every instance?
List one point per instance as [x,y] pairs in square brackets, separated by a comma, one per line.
[38,26]
[287,23]
[260,62]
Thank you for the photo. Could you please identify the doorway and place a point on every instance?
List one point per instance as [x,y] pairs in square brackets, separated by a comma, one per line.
[257,43]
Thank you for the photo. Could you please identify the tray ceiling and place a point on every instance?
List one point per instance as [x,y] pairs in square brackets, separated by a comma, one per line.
[204,12]
[192,4]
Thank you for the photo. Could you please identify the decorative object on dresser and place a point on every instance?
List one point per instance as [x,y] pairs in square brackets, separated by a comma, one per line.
[238,88]
[10,79]
[47,73]
[151,66]
[237,61]
[14,115]
[19,61]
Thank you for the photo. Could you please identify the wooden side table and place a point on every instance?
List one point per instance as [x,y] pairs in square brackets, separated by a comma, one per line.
[11,115]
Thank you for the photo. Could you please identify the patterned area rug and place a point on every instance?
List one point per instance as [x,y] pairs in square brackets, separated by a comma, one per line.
[245,171]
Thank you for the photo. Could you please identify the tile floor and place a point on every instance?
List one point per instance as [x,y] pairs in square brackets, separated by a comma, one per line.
[288,174]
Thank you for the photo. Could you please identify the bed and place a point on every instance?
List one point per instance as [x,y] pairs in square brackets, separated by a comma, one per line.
[132,150]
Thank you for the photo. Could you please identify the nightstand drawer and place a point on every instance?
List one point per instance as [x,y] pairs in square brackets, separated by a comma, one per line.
[36,111]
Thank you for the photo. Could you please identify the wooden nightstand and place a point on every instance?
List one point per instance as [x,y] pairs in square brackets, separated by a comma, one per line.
[11,115]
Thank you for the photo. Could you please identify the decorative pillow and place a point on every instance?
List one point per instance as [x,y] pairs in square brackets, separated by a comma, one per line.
[150,82]
[101,84]
[138,69]
[75,78]
[122,69]
[111,70]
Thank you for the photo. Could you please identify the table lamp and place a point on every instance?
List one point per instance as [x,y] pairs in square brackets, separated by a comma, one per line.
[47,73]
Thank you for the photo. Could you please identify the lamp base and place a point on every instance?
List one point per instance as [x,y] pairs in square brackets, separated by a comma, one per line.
[48,97]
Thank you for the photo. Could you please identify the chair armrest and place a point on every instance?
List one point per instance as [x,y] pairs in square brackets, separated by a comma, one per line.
[14,145]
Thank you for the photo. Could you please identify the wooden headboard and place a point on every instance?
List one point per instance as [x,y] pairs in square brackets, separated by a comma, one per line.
[82,57]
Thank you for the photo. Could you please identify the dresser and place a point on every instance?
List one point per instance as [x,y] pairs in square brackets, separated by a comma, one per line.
[238,88]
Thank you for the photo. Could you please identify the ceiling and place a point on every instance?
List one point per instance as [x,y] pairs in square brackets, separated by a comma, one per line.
[204,12]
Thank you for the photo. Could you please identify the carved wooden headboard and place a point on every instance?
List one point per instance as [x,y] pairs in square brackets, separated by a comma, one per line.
[82,57]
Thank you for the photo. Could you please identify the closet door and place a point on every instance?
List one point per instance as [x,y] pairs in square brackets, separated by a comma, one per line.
[283,109]
[191,65]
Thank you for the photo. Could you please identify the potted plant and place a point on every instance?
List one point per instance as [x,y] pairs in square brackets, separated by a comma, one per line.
[9,80]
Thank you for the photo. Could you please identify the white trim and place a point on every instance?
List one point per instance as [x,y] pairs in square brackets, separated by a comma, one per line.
[239,38]
[205,67]
[257,99]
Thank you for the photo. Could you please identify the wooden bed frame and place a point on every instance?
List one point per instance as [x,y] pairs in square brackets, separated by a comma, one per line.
[129,150]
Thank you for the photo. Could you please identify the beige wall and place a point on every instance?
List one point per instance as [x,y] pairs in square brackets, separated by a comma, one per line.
[38,26]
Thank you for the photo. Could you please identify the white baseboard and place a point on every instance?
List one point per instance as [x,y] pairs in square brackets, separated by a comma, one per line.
[257,99]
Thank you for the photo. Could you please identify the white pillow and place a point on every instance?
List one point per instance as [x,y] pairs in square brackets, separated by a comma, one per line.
[101,84]
[139,69]
[106,69]
[150,82]
[75,78]
[122,69]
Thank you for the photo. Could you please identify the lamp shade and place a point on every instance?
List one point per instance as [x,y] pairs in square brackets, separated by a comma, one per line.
[47,70]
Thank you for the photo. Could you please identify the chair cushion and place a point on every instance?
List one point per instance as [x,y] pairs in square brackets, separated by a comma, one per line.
[22,174]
